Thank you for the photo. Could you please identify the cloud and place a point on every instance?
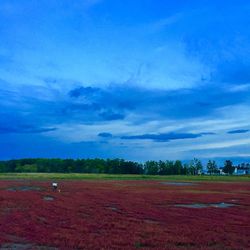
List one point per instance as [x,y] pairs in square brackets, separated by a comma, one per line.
[208,133]
[116,101]
[49,106]
[83,91]
[239,131]
[110,116]
[105,135]
[163,137]
[23,129]
[165,22]
[239,87]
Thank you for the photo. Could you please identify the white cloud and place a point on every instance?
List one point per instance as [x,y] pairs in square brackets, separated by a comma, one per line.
[239,87]
[164,22]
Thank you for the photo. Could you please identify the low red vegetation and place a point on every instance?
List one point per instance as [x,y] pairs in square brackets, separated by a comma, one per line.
[124,215]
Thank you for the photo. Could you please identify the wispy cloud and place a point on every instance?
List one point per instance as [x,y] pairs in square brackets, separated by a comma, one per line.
[163,137]
[10,129]
[114,101]
[88,104]
[239,87]
[165,22]
[238,131]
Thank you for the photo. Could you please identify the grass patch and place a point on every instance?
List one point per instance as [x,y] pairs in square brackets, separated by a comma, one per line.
[76,176]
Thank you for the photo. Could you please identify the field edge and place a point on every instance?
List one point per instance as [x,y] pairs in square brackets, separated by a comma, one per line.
[83,176]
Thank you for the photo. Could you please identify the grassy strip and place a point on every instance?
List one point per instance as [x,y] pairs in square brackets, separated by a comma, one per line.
[75,176]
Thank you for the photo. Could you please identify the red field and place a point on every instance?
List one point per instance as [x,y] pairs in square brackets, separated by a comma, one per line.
[123,215]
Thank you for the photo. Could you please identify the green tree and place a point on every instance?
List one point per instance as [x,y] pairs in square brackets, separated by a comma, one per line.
[185,169]
[195,167]
[178,167]
[228,167]
[151,167]
[27,168]
[212,167]
[162,168]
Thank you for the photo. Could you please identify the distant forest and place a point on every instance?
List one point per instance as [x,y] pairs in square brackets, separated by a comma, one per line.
[114,166]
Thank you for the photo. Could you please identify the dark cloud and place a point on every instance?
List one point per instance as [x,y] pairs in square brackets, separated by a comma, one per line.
[116,101]
[208,133]
[238,131]
[23,115]
[105,135]
[83,91]
[163,137]
[23,129]
[45,107]
[79,107]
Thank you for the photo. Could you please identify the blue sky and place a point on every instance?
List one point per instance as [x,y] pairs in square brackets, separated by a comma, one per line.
[132,79]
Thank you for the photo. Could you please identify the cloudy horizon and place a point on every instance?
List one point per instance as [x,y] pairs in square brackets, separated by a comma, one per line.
[123,79]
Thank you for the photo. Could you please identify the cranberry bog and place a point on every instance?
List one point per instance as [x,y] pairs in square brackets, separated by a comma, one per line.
[124,214]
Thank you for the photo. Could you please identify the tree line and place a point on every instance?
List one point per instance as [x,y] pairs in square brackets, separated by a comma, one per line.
[113,166]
